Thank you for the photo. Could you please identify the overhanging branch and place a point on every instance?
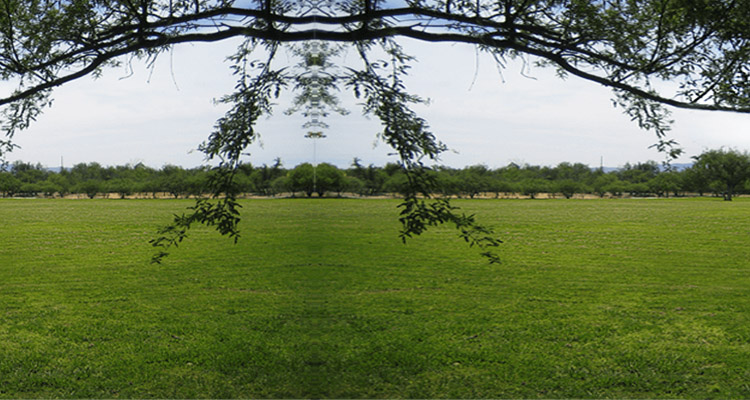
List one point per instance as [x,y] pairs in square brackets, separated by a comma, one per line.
[540,34]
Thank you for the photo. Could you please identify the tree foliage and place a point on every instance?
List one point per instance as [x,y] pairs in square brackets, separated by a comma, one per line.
[729,169]
[653,53]
[512,181]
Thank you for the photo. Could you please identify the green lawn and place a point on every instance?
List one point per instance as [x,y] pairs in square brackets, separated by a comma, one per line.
[595,298]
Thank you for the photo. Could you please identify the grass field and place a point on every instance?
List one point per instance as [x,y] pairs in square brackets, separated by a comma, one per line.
[595,298]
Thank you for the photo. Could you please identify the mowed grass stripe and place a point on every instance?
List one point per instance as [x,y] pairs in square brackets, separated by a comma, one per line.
[620,298]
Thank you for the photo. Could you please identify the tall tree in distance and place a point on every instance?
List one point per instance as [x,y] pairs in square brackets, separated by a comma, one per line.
[653,54]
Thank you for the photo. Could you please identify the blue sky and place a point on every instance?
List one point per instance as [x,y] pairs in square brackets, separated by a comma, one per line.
[521,114]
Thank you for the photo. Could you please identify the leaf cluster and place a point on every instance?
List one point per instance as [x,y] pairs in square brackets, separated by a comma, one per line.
[222,214]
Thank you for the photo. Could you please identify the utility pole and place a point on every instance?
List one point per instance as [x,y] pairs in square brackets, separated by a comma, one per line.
[314,136]
[315,108]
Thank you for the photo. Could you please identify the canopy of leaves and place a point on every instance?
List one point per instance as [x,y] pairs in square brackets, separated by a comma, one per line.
[628,45]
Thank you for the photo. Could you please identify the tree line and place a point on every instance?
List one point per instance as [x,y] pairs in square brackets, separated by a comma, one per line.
[723,173]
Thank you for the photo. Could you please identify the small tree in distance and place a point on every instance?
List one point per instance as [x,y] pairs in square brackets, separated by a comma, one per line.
[568,187]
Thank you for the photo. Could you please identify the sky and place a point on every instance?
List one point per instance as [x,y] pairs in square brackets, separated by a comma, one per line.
[158,116]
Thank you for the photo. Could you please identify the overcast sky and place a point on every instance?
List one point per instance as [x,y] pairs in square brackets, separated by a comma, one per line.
[520,115]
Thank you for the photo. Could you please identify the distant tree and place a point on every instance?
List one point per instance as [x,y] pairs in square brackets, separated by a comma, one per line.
[83,172]
[729,168]
[576,172]
[144,178]
[245,168]
[152,184]
[391,169]
[122,186]
[49,188]
[374,179]
[263,177]
[568,187]
[354,185]
[510,173]
[29,173]
[498,185]
[328,178]
[301,179]
[9,184]
[397,183]
[666,182]
[174,180]
[243,184]
[532,187]
[616,187]
[695,180]
[603,183]
[639,173]
[473,180]
[637,189]
[29,189]
[90,187]
[449,182]
[60,182]
[357,166]
[279,185]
